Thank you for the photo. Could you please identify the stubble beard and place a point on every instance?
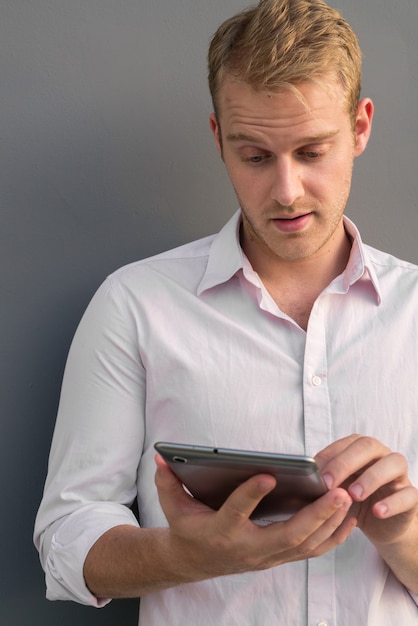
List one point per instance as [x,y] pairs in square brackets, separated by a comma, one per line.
[291,247]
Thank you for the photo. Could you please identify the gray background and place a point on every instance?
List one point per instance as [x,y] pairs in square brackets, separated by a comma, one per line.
[106,157]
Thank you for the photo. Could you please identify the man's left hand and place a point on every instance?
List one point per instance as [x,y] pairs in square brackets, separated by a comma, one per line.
[385,502]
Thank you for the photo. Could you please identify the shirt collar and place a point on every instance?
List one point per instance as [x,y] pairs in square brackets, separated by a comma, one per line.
[359,266]
[226,258]
[225,255]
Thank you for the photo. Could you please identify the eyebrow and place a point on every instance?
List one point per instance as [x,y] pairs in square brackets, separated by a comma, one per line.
[236,137]
[241,137]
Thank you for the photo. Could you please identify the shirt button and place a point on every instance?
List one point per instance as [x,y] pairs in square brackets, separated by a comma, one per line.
[321,622]
[316,381]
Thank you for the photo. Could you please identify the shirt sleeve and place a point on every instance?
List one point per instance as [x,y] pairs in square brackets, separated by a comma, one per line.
[96,447]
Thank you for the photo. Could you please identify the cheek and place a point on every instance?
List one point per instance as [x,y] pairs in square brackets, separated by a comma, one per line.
[244,181]
[332,180]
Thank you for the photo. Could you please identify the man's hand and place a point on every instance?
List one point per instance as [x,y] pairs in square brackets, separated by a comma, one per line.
[385,502]
[215,543]
[369,486]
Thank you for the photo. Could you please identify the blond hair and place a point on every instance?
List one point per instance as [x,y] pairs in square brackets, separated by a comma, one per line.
[282,43]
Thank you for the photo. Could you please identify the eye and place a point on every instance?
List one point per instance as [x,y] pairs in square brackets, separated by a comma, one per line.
[313,152]
[310,155]
[256,159]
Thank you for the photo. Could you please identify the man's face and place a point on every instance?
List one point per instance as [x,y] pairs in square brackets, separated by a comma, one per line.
[291,165]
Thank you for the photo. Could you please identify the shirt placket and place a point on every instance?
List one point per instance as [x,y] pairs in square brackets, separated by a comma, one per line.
[318,433]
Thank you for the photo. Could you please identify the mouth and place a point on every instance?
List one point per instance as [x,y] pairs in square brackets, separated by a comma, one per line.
[293,223]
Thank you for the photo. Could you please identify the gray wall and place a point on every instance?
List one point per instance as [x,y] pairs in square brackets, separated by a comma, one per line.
[106,157]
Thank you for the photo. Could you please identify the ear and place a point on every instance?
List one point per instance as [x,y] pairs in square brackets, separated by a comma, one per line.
[363,127]
[215,128]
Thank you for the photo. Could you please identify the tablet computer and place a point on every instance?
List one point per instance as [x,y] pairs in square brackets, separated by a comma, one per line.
[212,474]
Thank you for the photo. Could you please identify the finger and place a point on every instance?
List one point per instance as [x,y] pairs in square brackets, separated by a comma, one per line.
[403,501]
[165,479]
[238,507]
[391,470]
[321,518]
[171,493]
[337,447]
[360,453]
[312,531]
[333,533]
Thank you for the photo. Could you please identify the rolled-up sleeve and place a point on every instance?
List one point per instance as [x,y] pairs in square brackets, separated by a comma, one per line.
[64,551]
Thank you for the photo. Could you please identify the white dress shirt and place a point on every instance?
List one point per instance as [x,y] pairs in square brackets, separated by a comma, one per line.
[188,346]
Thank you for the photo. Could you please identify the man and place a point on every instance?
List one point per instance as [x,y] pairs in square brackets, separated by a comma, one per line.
[283,333]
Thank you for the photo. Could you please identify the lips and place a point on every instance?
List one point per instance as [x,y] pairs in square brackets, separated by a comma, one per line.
[292,224]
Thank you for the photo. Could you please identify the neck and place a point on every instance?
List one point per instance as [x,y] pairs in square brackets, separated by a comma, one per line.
[295,285]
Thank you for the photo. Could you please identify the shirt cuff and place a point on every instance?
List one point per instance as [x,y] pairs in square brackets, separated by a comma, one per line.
[69,545]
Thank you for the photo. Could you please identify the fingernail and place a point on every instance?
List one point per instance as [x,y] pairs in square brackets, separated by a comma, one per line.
[266,484]
[342,503]
[382,509]
[328,480]
[357,491]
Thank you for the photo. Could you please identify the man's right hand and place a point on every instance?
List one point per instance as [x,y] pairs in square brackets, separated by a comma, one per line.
[212,543]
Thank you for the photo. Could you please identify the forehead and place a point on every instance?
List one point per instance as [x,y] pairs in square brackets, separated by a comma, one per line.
[308,105]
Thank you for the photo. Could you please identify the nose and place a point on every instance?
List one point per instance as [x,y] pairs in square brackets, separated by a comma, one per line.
[287,186]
